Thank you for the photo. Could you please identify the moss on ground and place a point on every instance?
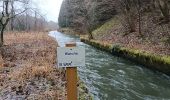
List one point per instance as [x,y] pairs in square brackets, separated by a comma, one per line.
[105,28]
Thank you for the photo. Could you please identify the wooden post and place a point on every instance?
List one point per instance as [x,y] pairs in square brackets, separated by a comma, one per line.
[71,75]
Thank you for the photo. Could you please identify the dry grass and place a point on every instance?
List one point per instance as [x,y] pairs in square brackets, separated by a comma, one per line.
[28,68]
[155,39]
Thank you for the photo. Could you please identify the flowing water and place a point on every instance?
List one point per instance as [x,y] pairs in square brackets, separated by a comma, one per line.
[108,77]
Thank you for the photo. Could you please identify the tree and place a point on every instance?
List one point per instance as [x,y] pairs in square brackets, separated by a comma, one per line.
[138,8]
[12,13]
[163,6]
[132,11]
[7,14]
[128,11]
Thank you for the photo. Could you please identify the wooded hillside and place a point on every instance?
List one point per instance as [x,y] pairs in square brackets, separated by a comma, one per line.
[133,22]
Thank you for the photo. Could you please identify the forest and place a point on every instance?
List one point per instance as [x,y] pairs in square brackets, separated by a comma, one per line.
[22,15]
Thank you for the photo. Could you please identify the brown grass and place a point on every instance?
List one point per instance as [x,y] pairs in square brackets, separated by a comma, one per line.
[155,37]
[28,68]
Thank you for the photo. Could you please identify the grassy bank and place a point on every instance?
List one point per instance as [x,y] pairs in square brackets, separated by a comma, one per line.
[152,61]
[153,53]
[113,32]
[28,68]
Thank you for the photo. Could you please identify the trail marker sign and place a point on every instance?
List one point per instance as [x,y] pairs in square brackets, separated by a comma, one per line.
[70,56]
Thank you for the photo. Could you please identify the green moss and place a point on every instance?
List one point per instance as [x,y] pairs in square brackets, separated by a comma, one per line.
[104,29]
[161,63]
[147,57]
[166,59]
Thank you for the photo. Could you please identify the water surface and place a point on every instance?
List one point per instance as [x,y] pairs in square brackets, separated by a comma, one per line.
[109,77]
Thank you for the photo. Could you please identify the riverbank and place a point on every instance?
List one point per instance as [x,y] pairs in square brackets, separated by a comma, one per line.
[113,32]
[69,31]
[28,68]
[150,60]
[152,50]
[108,76]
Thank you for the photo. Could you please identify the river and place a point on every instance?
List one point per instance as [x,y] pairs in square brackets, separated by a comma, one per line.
[108,77]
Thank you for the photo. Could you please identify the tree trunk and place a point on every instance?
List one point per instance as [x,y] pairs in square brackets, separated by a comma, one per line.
[139,17]
[12,12]
[90,36]
[35,23]
[2,37]
[163,5]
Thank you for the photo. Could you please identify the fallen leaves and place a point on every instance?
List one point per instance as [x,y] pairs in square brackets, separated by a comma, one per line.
[28,68]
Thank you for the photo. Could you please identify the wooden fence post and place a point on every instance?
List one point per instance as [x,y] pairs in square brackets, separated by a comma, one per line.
[71,76]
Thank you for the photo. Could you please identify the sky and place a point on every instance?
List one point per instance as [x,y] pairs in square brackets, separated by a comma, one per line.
[50,8]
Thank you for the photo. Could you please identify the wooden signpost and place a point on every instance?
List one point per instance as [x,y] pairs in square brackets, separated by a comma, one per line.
[71,74]
[71,57]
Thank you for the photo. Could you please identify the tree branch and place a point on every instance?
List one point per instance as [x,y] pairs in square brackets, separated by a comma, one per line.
[18,13]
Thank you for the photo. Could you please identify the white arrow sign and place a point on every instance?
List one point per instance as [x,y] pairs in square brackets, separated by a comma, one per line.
[71,56]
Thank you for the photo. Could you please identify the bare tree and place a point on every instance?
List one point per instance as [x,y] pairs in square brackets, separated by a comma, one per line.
[138,8]
[163,6]
[32,20]
[12,13]
[6,15]
[129,15]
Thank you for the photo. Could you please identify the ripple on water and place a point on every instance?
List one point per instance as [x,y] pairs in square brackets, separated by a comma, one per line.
[108,77]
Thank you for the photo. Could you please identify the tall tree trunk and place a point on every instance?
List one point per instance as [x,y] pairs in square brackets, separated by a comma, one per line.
[35,23]
[2,37]
[139,17]
[4,20]
[12,13]
[26,22]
